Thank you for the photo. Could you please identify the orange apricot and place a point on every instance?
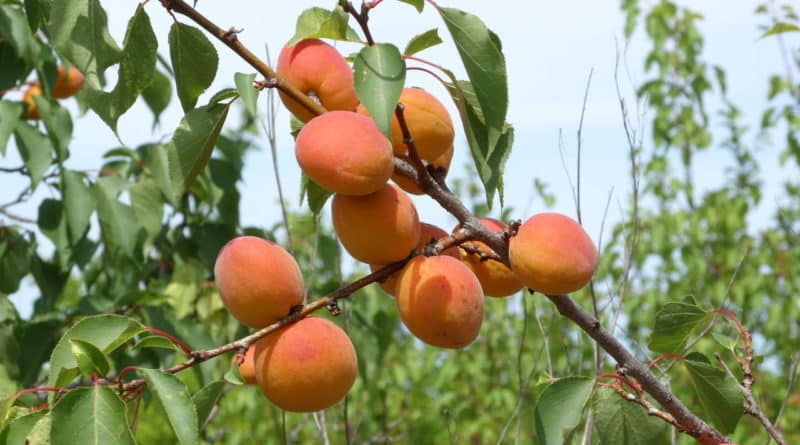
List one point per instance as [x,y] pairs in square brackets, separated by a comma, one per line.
[306,366]
[552,254]
[27,97]
[317,69]
[378,228]
[428,233]
[68,82]
[247,367]
[440,301]
[440,163]
[258,280]
[497,280]
[428,122]
[345,152]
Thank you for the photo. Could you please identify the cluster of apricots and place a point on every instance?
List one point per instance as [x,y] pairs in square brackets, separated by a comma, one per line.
[311,364]
[68,82]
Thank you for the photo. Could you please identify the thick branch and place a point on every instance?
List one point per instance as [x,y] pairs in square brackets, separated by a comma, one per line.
[688,421]
[230,39]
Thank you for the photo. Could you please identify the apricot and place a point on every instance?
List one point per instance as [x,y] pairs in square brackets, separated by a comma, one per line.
[497,280]
[345,152]
[68,83]
[317,69]
[258,280]
[306,366]
[378,228]
[428,123]
[428,233]
[552,254]
[441,163]
[27,98]
[440,301]
[247,367]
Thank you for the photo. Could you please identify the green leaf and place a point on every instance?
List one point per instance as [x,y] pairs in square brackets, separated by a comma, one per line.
[90,359]
[559,408]
[156,157]
[620,422]
[118,221]
[90,416]
[223,95]
[58,123]
[320,23]
[193,142]
[79,204]
[35,150]
[194,61]
[675,322]
[20,428]
[174,398]
[418,4]
[423,41]
[105,332]
[481,53]
[248,93]
[14,25]
[135,71]
[156,341]
[205,399]
[780,28]
[379,73]
[79,31]
[15,253]
[316,195]
[52,223]
[158,95]
[719,394]
[148,207]
[10,113]
[40,432]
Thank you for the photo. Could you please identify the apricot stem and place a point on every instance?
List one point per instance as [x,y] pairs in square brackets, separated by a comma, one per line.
[233,42]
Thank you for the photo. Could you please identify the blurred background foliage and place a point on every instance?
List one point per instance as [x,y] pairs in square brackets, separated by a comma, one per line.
[125,243]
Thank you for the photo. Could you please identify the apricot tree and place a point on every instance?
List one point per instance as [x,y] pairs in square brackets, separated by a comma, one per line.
[125,342]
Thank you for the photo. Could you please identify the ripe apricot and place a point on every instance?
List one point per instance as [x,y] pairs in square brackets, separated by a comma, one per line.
[345,152]
[258,280]
[440,301]
[428,123]
[552,254]
[68,83]
[497,280]
[428,233]
[27,98]
[317,69]
[440,163]
[247,367]
[306,366]
[378,228]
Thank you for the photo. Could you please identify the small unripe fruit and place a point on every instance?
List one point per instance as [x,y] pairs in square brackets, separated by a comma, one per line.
[497,280]
[440,301]
[27,98]
[306,366]
[259,281]
[345,152]
[68,83]
[317,69]
[552,254]
[247,367]
[379,228]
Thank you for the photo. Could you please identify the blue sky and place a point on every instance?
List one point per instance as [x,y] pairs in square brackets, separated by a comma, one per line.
[550,48]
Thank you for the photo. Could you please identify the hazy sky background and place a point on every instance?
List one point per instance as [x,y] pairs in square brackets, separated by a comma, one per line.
[550,49]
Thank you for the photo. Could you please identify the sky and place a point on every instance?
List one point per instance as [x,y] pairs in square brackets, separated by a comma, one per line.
[550,48]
